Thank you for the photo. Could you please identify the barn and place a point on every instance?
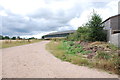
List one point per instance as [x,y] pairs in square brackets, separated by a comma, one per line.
[112,26]
[58,34]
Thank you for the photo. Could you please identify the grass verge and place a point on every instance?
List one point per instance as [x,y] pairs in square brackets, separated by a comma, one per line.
[60,52]
[76,54]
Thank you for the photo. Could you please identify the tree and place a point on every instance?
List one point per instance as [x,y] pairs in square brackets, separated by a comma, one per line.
[1,37]
[13,38]
[32,38]
[72,37]
[19,38]
[6,37]
[83,33]
[96,30]
[91,31]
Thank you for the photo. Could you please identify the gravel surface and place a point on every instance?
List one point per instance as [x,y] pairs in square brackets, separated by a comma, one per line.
[34,61]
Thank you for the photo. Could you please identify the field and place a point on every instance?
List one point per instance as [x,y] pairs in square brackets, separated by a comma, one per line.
[12,43]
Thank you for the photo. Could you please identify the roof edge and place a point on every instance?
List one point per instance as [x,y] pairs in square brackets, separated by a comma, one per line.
[61,32]
[111,17]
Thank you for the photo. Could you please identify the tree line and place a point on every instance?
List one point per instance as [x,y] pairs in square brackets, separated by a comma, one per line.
[13,38]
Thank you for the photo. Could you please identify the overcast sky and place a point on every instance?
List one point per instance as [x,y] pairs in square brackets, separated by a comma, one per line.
[27,18]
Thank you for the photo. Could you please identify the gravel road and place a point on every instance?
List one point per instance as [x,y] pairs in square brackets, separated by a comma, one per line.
[34,61]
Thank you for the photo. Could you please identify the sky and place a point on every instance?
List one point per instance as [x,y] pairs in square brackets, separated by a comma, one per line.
[34,18]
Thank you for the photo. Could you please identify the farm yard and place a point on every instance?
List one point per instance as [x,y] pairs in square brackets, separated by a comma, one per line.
[47,39]
[86,47]
[34,61]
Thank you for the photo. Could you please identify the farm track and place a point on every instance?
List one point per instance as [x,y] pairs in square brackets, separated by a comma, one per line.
[34,61]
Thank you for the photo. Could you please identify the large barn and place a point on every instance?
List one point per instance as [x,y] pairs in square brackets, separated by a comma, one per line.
[58,34]
[112,25]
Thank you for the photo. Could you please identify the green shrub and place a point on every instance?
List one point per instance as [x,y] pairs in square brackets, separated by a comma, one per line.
[85,52]
[78,50]
[71,43]
[103,55]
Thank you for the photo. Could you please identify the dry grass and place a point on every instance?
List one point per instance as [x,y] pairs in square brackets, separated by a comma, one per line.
[12,43]
[54,49]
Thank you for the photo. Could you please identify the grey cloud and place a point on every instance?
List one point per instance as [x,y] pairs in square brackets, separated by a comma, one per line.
[55,20]
[42,20]
[17,25]
[99,4]
[56,15]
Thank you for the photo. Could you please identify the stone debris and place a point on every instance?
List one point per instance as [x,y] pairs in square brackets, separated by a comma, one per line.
[94,47]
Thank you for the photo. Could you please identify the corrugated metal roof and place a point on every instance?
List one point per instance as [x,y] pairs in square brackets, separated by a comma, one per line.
[111,17]
[62,32]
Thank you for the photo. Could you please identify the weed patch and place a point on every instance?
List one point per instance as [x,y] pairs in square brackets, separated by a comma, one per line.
[78,54]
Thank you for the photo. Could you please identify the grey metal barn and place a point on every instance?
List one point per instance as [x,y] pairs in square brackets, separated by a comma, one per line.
[112,25]
[58,34]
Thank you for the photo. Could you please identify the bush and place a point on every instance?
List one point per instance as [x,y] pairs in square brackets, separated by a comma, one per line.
[83,33]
